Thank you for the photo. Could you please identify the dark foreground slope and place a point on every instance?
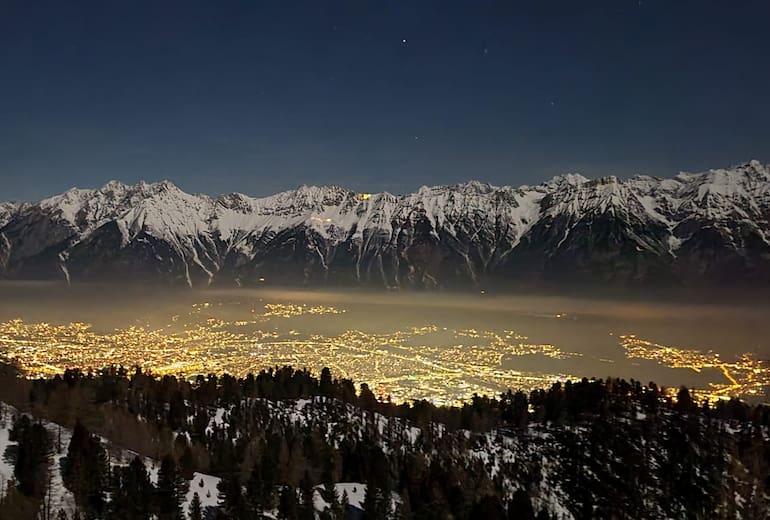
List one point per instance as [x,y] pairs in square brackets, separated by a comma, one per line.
[587,449]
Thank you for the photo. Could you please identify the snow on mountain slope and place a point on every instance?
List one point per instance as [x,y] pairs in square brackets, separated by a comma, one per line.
[7,209]
[61,497]
[696,226]
[727,199]
[159,210]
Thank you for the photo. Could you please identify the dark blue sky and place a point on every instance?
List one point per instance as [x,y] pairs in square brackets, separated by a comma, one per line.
[256,97]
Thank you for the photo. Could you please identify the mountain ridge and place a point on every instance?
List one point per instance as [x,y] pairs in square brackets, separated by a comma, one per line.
[708,227]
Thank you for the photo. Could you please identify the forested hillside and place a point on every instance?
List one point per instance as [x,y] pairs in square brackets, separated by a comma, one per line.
[287,444]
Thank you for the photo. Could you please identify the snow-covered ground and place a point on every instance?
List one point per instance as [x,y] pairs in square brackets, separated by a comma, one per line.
[206,487]
[498,452]
[355,491]
[492,453]
[61,497]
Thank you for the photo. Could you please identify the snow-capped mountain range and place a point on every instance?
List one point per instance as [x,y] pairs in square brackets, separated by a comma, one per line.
[702,228]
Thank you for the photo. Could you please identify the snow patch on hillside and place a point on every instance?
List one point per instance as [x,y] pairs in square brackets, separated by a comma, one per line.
[61,497]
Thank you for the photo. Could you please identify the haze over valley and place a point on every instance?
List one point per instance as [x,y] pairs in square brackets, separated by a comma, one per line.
[355,260]
[467,267]
[438,347]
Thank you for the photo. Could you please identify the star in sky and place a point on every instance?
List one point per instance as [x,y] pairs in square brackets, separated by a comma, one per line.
[322,95]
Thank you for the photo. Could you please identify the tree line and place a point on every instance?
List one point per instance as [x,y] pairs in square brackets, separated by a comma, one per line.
[266,462]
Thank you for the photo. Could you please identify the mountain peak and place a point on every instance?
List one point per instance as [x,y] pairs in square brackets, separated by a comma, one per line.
[475,186]
[113,185]
[313,190]
[759,169]
[157,187]
[573,179]
[7,209]
[478,230]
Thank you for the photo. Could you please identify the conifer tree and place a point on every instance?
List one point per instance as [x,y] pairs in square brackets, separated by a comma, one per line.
[85,471]
[520,506]
[230,496]
[344,504]
[132,492]
[328,490]
[196,511]
[370,503]
[187,463]
[326,386]
[335,505]
[255,502]
[306,510]
[172,488]
[376,504]
[32,457]
[16,505]
[287,504]
[268,476]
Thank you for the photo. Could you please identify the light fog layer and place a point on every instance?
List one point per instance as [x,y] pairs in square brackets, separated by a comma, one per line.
[441,346]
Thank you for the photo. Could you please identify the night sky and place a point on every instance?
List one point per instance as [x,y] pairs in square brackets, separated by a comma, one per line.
[257,97]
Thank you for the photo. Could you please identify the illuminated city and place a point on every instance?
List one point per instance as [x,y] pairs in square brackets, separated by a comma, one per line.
[744,375]
[384,260]
[438,363]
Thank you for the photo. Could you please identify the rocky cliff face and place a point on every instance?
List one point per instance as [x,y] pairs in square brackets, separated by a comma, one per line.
[7,210]
[705,228]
